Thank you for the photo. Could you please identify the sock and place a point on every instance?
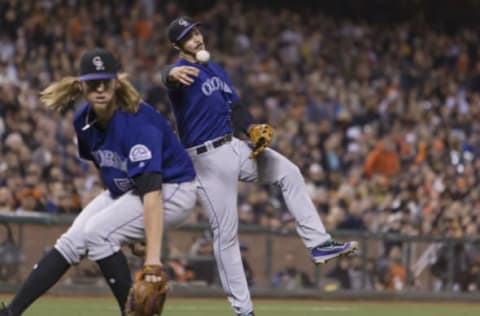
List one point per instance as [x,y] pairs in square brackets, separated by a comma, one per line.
[43,276]
[116,271]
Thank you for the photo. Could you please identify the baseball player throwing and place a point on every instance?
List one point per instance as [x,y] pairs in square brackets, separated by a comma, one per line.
[148,175]
[207,109]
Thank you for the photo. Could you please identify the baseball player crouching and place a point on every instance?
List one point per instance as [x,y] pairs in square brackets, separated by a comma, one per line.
[149,179]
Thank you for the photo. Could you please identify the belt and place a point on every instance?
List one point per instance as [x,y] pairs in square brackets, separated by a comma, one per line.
[216,143]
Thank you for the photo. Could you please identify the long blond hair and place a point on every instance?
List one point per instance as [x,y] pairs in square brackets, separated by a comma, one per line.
[69,89]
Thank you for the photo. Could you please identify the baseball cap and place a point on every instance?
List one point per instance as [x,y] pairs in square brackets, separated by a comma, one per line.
[179,28]
[98,63]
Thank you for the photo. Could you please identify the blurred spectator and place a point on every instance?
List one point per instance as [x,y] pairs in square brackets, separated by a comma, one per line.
[383,159]
[11,256]
[460,269]
[290,277]
[341,273]
[30,198]
[473,276]
[201,260]
[396,275]
[352,221]
[177,267]
[372,280]
[6,199]
[356,272]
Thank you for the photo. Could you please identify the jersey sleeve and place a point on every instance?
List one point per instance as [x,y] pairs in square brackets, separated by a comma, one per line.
[145,151]
[164,73]
[83,151]
[81,138]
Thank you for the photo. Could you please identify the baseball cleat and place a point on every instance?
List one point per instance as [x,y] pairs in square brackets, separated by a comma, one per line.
[332,249]
[247,314]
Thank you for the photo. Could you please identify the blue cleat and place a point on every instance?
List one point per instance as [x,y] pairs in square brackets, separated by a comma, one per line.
[247,314]
[332,249]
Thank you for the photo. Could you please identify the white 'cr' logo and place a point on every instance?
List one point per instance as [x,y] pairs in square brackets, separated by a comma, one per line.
[182,22]
[98,62]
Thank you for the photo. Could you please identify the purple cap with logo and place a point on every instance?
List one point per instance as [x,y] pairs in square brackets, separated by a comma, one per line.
[98,63]
[179,28]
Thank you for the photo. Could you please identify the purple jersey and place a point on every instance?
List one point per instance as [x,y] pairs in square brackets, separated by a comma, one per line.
[132,144]
[202,110]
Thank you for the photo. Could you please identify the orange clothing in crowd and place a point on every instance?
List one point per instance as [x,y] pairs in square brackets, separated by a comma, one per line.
[24,192]
[397,277]
[422,153]
[382,160]
[143,29]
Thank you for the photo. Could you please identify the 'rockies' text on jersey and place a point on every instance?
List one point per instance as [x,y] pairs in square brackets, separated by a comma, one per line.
[202,110]
[132,144]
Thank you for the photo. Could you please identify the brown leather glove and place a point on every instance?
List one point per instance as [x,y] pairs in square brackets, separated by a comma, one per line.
[148,293]
[261,136]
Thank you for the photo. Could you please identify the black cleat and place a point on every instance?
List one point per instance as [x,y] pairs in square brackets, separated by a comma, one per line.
[4,311]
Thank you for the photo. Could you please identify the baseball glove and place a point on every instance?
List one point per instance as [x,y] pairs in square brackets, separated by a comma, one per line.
[261,136]
[148,293]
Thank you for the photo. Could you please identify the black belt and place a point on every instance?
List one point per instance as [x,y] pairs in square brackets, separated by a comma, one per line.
[217,143]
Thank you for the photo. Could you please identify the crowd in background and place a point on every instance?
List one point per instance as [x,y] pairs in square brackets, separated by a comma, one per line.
[382,119]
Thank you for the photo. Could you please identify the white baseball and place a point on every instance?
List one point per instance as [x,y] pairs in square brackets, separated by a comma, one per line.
[202,56]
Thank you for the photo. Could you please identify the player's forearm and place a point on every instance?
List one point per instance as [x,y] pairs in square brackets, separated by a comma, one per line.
[153,208]
[168,80]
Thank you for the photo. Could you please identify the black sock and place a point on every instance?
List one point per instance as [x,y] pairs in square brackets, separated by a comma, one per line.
[117,274]
[43,276]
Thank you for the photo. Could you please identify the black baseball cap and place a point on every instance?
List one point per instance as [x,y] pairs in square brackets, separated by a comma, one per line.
[98,63]
[179,28]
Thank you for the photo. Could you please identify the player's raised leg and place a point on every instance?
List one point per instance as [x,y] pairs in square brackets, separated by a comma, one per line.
[272,167]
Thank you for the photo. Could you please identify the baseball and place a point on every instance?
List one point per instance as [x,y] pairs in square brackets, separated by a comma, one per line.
[202,56]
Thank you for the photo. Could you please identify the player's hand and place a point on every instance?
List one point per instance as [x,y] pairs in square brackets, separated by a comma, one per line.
[184,74]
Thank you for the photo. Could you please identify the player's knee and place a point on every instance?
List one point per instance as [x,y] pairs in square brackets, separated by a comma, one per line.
[175,218]
[290,170]
[228,238]
[98,244]
[92,236]
[71,249]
